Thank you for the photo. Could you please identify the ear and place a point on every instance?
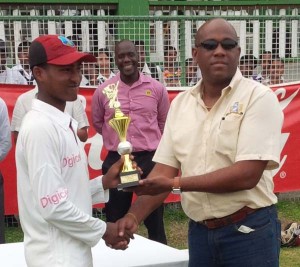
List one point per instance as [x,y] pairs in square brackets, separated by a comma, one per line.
[38,72]
[239,48]
[194,53]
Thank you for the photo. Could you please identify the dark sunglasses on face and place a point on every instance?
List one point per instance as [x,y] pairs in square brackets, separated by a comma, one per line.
[226,44]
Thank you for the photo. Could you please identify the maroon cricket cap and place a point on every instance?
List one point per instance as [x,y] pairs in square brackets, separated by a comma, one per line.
[56,50]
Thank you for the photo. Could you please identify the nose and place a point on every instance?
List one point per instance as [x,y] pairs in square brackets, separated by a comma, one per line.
[76,75]
[127,58]
[219,50]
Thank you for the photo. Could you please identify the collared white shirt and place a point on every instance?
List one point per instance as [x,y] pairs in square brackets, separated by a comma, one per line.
[54,191]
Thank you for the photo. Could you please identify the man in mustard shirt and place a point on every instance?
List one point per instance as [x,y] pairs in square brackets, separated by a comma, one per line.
[224,136]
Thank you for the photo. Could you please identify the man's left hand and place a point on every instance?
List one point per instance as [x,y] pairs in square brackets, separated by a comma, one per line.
[153,186]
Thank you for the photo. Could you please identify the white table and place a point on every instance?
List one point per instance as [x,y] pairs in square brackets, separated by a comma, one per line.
[141,252]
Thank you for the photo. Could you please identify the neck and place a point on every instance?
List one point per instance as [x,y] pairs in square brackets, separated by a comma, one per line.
[210,96]
[213,91]
[105,73]
[51,101]
[129,80]
[169,65]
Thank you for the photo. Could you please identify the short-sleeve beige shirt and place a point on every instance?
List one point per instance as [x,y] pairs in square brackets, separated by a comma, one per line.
[244,124]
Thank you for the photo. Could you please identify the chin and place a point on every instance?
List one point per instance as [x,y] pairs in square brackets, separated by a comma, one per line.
[128,73]
[72,98]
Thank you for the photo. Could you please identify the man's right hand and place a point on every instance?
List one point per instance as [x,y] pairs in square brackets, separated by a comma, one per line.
[112,178]
[128,225]
[113,239]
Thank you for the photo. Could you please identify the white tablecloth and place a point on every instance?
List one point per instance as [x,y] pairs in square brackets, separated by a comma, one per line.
[141,252]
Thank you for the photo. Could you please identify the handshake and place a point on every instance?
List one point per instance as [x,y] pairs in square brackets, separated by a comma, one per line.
[118,235]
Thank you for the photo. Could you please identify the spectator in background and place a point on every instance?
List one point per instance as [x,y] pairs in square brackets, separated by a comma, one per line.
[7,75]
[147,103]
[276,71]
[89,74]
[149,69]
[23,66]
[75,109]
[170,73]
[97,73]
[5,145]
[247,66]
[190,72]
[105,65]
[265,62]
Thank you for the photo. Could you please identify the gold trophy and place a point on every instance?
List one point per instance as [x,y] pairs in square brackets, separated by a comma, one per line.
[120,122]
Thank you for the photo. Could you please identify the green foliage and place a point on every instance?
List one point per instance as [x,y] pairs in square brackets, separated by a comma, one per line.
[13,234]
[289,210]
[290,257]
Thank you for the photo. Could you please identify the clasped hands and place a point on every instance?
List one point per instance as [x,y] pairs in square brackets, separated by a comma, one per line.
[113,239]
[118,235]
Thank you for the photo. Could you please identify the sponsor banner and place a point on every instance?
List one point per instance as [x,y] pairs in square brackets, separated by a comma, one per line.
[285,177]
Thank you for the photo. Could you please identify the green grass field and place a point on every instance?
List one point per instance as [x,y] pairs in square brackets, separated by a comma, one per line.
[176,224]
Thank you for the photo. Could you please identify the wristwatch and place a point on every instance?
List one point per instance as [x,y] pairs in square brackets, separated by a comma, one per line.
[176,186]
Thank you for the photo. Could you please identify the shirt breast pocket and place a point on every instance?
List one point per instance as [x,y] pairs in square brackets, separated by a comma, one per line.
[227,137]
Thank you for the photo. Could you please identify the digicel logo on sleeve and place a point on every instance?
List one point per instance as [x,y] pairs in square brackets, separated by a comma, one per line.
[56,198]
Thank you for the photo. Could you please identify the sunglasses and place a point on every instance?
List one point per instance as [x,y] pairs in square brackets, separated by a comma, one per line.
[226,44]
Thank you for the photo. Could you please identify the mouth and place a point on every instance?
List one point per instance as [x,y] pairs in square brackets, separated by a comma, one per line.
[74,86]
[219,63]
[128,67]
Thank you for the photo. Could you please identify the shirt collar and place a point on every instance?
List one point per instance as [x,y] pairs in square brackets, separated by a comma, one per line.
[61,118]
[142,79]
[196,89]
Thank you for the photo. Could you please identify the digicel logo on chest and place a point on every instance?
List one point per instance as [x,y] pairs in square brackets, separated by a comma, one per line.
[71,160]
